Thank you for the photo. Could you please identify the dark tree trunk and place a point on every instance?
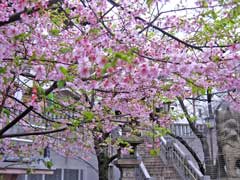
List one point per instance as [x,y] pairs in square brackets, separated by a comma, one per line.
[102,166]
[202,137]
[103,160]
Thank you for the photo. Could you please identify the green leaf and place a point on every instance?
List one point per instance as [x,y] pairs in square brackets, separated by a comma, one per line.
[94,31]
[114,62]
[2,70]
[29,170]
[198,90]
[68,11]
[122,142]
[202,91]
[40,90]
[51,96]
[216,58]
[17,60]
[161,131]
[33,57]
[56,20]
[76,122]
[153,152]
[21,37]
[65,50]
[63,70]
[166,86]
[139,27]
[61,83]
[106,67]
[193,119]
[149,2]
[48,164]
[88,115]
[54,32]
[131,150]
[214,15]
[165,99]
[209,90]
[6,111]
[41,152]
[204,3]
[56,125]
[123,56]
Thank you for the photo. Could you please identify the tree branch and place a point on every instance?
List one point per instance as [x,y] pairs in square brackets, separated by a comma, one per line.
[159,29]
[33,133]
[191,124]
[5,94]
[37,113]
[13,122]
[17,16]
[150,23]
[51,88]
[112,91]
[114,157]
[24,113]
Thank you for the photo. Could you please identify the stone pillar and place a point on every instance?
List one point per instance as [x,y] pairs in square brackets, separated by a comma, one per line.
[127,168]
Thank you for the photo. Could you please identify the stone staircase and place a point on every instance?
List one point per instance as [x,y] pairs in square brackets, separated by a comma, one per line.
[155,166]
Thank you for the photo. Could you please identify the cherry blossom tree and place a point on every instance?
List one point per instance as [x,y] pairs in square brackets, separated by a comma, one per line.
[125,57]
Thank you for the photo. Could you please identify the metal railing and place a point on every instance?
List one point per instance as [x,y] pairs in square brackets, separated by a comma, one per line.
[172,153]
[184,130]
[141,171]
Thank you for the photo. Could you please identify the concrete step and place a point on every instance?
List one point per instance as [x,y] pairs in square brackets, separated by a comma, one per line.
[159,167]
[155,166]
[152,158]
[169,174]
[164,178]
[161,171]
[152,163]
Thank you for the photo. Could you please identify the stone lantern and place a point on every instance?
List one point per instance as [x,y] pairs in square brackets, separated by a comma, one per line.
[128,163]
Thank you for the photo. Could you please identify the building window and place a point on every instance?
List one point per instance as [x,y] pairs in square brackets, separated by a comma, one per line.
[56,176]
[34,177]
[71,174]
[21,177]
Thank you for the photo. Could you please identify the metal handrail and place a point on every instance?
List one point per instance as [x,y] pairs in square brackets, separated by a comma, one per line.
[171,152]
[142,172]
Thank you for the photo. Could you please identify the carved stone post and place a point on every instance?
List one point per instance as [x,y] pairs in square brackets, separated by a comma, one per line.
[128,167]
[129,163]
